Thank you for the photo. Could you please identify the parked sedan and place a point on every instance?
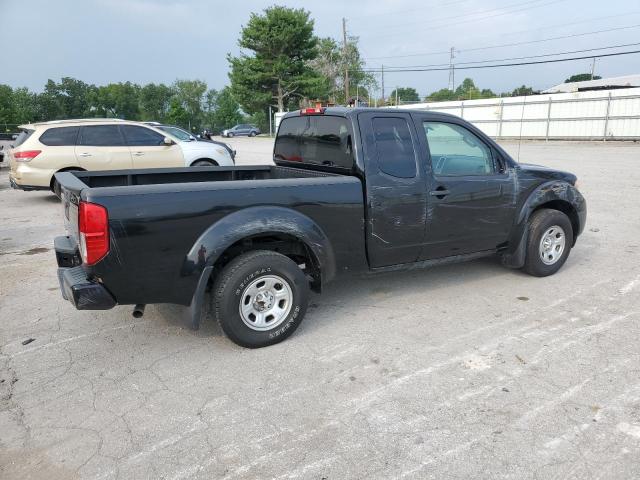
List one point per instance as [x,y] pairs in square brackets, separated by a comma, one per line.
[241,129]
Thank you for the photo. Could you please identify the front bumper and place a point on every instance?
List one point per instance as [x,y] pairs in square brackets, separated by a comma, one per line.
[83,293]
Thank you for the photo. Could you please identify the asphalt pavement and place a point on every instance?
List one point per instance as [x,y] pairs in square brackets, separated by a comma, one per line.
[458,372]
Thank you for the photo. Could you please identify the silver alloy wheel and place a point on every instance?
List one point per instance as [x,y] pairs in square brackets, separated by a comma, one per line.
[266,302]
[552,245]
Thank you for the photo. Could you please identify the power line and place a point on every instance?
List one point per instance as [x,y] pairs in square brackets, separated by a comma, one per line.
[519,58]
[499,14]
[473,67]
[513,44]
[400,12]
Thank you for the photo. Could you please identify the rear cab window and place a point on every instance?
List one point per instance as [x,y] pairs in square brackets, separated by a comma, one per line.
[316,140]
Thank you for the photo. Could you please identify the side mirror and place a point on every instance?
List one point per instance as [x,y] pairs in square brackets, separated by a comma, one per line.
[168,141]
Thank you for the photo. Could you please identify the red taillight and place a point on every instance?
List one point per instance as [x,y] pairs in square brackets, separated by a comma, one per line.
[93,225]
[26,155]
[312,111]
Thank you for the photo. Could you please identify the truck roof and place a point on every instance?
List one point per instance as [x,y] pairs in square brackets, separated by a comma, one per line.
[351,111]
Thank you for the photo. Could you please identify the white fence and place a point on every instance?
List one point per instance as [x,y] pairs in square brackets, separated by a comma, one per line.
[593,115]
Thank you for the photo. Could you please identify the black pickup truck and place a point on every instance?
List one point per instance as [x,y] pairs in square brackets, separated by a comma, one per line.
[351,191]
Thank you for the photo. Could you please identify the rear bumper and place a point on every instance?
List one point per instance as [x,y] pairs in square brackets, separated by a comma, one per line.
[83,293]
[26,188]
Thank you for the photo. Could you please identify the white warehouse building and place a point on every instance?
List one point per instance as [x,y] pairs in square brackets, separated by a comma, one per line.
[610,112]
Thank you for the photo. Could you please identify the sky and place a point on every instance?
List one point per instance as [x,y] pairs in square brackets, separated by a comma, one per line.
[143,41]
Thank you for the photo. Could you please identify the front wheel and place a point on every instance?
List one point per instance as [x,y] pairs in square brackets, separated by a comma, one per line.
[549,242]
[230,134]
[204,163]
[260,298]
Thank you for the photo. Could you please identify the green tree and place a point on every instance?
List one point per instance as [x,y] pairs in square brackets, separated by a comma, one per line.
[25,106]
[177,115]
[522,91]
[191,96]
[282,43]
[154,101]
[74,96]
[441,95]
[331,62]
[119,100]
[581,77]
[50,102]
[467,90]
[6,107]
[223,109]
[405,95]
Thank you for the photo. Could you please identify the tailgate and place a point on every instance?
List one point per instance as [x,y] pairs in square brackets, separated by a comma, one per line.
[71,187]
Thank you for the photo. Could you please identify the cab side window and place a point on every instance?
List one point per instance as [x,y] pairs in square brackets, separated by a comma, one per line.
[456,151]
[141,137]
[396,156]
[60,136]
[101,136]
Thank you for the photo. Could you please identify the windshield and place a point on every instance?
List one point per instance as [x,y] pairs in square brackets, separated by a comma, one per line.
[177,132]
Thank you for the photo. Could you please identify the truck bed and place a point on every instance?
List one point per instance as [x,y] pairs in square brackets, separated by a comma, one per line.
[163,176]
[161,220]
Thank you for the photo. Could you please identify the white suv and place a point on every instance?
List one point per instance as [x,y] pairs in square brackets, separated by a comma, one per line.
[43,149]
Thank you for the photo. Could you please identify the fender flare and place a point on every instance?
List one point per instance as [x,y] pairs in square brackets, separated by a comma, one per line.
[207,249]
[555,190]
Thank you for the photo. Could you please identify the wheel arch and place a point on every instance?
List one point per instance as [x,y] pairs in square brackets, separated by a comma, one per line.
[205,159]
[274,228]
[554,195]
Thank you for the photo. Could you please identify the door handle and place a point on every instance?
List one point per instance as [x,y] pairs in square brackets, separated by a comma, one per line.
[138,154]
[84,154]
[439,192]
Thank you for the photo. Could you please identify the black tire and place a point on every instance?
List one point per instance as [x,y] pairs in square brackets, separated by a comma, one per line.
[204,163]
[539,224]
[230,289]
[229,135]
[252,134]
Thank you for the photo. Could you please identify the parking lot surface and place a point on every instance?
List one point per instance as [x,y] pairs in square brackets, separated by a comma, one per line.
[464,371]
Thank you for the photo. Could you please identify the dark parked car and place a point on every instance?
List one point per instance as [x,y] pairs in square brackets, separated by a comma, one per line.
[351,191]
[242,129]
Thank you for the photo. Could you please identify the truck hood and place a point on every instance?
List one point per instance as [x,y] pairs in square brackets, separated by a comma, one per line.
[546,172]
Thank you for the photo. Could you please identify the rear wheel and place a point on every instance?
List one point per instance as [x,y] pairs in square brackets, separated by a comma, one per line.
[252,134]
[549,242]
[260,298]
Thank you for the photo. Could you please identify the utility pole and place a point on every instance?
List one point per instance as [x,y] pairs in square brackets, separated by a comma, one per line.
[452,80]
[346,62]
[593,67]
[396,95]
[383,84]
